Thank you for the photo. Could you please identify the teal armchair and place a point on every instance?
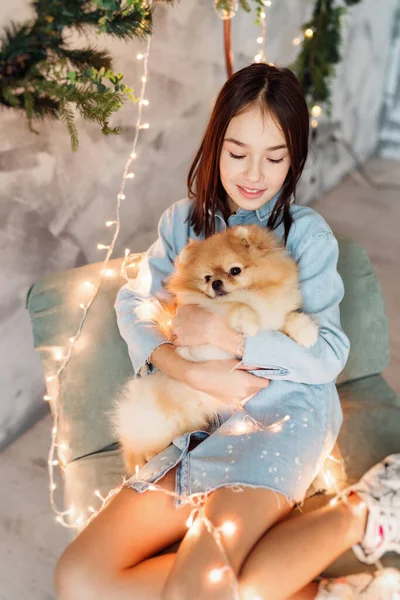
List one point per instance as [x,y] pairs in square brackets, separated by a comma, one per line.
[100,364]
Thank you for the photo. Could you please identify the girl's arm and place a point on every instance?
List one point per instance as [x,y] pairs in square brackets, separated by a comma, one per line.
[322,290]
[142,335]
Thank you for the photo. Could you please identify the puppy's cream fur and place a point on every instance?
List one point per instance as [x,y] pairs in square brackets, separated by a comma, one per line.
[265,295]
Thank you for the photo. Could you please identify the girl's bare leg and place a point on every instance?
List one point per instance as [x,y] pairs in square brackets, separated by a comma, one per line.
[294,552]
[131,528]
[280,565]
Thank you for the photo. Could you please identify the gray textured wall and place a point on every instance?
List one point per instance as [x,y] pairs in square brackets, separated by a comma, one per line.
[389,142]
[54,203]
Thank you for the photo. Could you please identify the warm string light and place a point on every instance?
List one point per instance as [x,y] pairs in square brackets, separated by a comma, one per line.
[261,40]
[64,355]
[316,110]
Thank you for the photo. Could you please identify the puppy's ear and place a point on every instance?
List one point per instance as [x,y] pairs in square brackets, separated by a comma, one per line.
[187,253]
[244,234]
[256,237]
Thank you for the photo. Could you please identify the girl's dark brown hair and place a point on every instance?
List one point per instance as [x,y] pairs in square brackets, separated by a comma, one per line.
[275,91]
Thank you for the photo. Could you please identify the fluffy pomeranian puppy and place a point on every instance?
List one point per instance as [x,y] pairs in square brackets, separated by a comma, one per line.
[243,274]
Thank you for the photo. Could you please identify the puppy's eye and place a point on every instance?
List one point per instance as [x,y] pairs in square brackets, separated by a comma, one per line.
[235,271]
[207,278]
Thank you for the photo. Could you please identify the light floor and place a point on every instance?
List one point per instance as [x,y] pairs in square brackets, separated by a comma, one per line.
[31,540]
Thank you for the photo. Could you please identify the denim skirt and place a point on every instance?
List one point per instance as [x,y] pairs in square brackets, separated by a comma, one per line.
[279,441]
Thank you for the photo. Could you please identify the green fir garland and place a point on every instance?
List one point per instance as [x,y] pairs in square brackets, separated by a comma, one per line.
[315,64]
[42,76]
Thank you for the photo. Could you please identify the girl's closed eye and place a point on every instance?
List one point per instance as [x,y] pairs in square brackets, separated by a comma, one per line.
[271,160]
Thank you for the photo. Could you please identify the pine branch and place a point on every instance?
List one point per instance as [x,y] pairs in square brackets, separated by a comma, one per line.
[42,75]
[86,57]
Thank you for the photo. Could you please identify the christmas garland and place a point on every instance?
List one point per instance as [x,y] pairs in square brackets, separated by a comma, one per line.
[43,76]
[320,46]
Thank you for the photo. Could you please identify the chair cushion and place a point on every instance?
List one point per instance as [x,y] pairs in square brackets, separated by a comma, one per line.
[362,313]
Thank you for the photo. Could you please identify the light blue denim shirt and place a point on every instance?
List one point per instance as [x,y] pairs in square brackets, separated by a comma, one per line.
[311,243]
[302,379]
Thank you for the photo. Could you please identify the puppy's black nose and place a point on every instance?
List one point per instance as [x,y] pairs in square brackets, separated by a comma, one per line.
[217,284]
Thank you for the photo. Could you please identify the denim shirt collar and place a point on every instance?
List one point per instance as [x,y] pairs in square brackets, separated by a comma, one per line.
[262,213]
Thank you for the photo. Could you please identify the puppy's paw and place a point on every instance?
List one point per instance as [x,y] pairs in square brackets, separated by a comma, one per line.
[302,329]
[244,319]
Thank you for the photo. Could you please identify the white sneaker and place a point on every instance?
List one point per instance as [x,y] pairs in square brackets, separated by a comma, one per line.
[380,490]
[381,585]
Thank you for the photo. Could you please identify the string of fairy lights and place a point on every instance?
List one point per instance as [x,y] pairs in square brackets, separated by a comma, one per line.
[222,573]
[53,381]
[316,110]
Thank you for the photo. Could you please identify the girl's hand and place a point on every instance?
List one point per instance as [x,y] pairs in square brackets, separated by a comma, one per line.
[192,326]
[196,326]
[216,378]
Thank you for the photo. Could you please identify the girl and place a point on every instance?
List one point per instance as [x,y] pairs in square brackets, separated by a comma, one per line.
[245,171]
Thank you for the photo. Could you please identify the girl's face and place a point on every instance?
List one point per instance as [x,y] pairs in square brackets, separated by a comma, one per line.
[254,160]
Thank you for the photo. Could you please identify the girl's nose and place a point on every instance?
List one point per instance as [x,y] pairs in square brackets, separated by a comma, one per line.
[254,172]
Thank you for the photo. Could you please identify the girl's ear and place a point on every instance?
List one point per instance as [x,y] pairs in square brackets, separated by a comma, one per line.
[186,254]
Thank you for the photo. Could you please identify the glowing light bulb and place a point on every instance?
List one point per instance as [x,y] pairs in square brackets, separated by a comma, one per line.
[108,272]
[145,126]
[262,14]
[316,111]
[309,33]
[121,196]
[58,355]
[268,3]
[144,102]
[91,509]
[50,378]
[54,430]
[59,520]
[127,251]
[139,56]
[241,427]
[314,123]
[190,520]
[228,528]
[144,79]
[260,40]
[102,247]
[130,175]
[72,339]
[296,41]
[257,58]
[133,155]
[47,398]
[215,575]
[53,486]
[82,306]
[54,462]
